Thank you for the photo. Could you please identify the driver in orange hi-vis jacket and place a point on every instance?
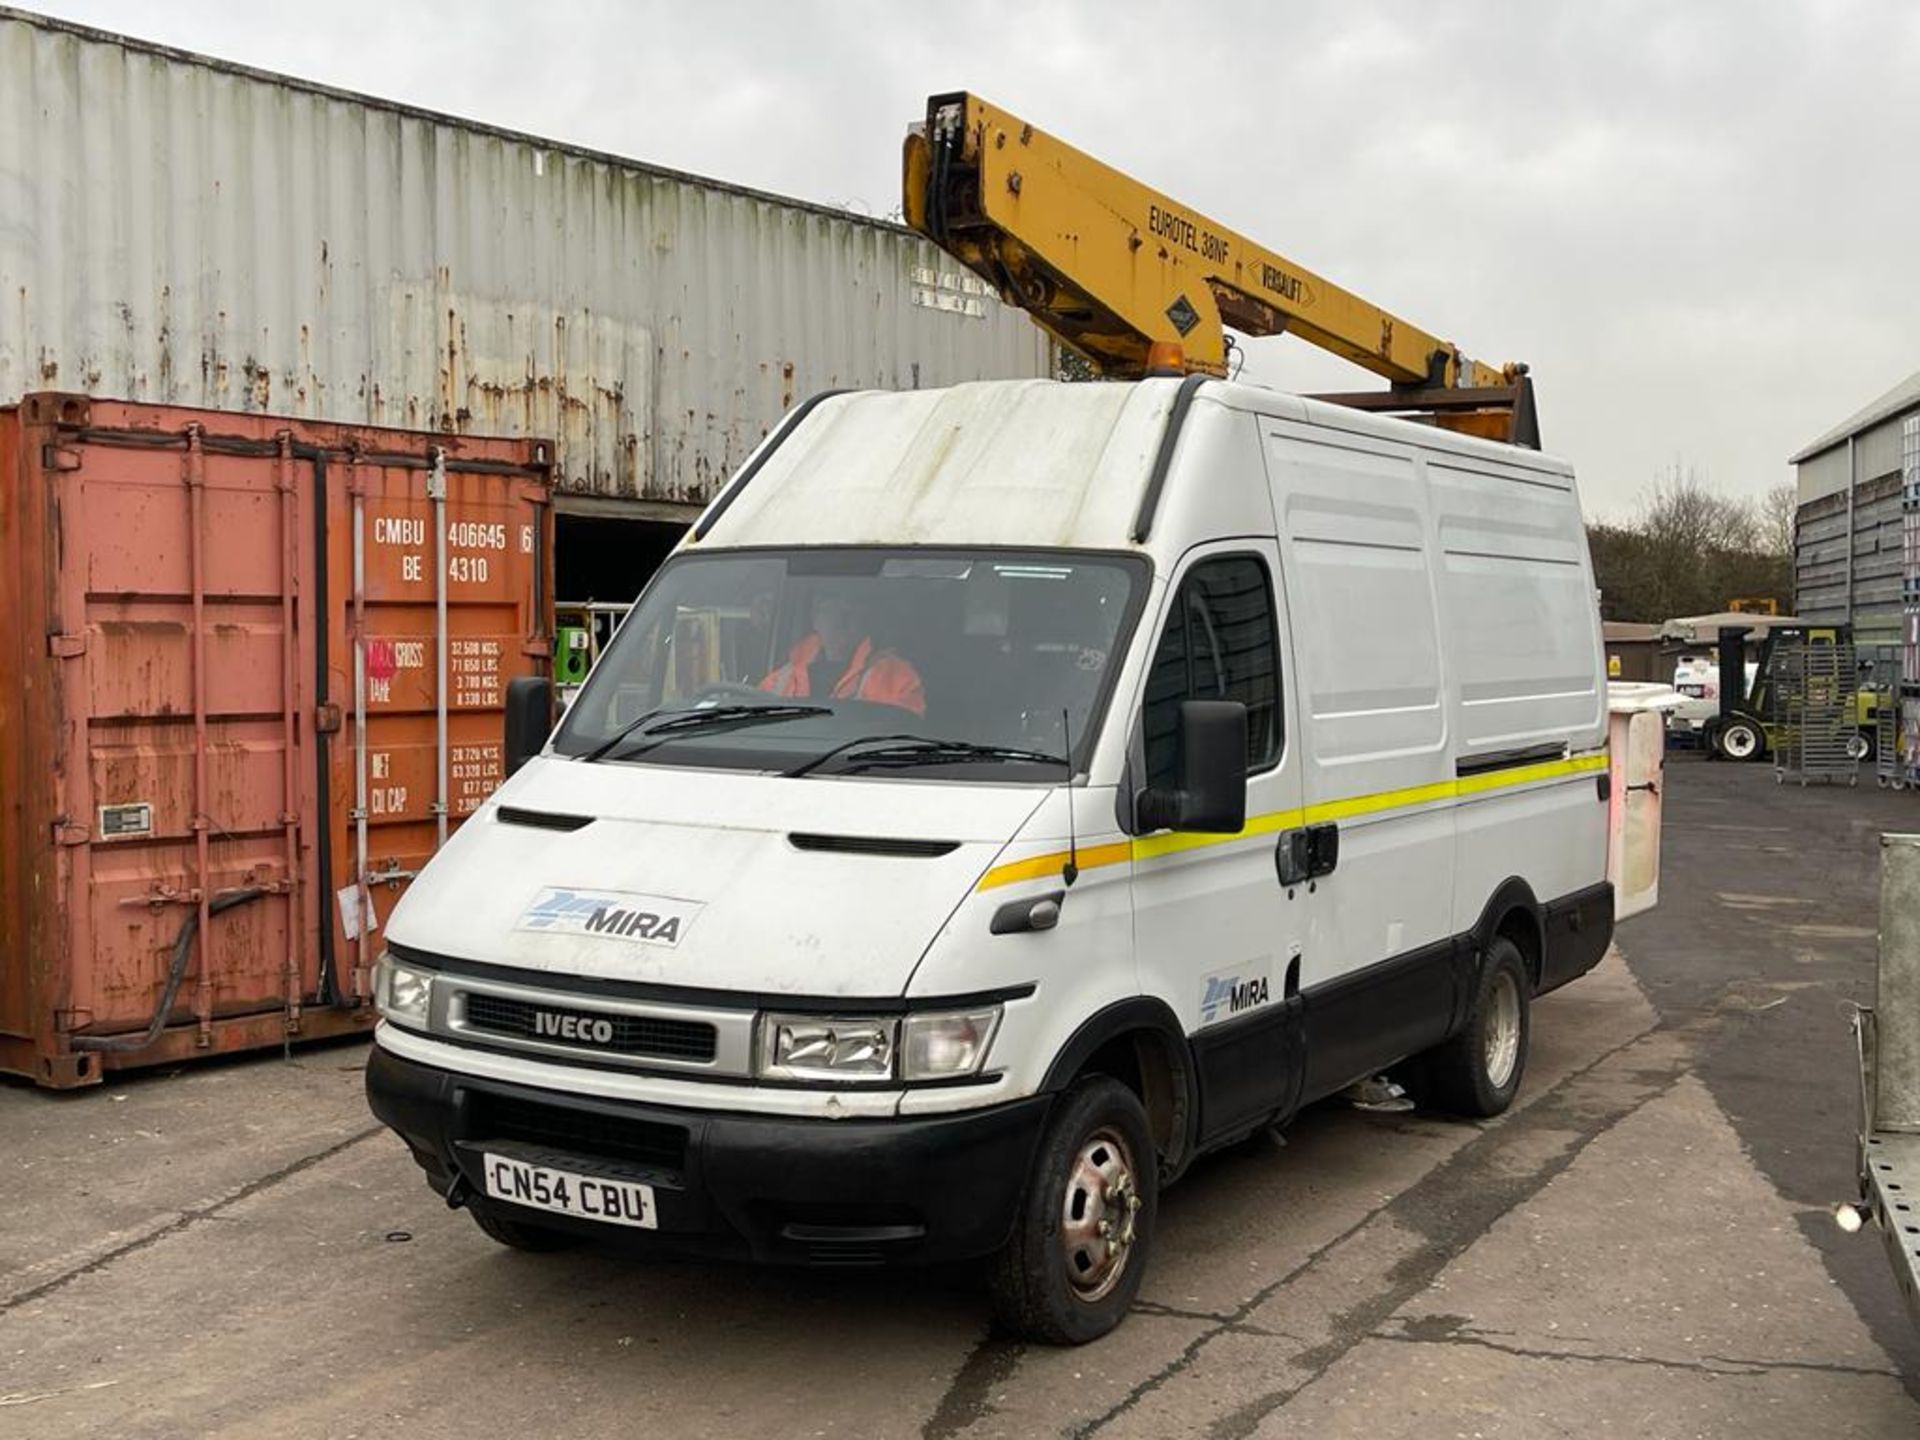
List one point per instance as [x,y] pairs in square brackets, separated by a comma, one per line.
[838,659]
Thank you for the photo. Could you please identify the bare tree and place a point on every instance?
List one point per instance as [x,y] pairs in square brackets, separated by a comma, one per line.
[1688,551]
[1778,508]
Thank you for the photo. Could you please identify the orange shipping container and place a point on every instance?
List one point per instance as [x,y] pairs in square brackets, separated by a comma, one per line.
[251,672]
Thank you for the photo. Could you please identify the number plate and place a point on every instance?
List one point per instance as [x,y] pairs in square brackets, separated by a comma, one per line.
[587,1197]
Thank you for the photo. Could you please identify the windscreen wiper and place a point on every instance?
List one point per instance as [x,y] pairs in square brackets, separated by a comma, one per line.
[898,752]
[667,723]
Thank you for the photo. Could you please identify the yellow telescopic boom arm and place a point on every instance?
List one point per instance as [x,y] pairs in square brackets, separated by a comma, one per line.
[1140,284]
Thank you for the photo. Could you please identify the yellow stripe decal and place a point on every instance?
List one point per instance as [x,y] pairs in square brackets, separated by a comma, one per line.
[1173,841]
[1148,847]
[1040,866]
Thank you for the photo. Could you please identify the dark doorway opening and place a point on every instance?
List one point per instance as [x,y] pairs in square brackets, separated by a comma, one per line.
[607,559]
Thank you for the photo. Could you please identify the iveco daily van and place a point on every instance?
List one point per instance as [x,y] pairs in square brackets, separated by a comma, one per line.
[1003,796]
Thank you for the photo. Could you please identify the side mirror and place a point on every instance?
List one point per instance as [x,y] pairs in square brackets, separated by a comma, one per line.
[529,718]
[1210,793]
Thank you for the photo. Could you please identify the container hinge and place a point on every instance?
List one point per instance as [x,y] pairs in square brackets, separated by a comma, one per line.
[532,493]
[326,719]
[59,458]
[66,647]
[65,832]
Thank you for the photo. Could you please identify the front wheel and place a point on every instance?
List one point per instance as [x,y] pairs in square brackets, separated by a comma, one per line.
[1741,740]
[1477,1073]
[1860,747]
[1072,1267]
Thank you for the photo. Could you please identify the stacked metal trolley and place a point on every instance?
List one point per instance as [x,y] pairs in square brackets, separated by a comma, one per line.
[1906,749]
[1889,760]
[1814,712]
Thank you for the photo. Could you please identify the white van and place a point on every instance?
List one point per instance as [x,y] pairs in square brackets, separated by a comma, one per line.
[1005,795]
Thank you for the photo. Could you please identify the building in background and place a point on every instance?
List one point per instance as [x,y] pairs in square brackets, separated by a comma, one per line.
[1851,560]
[180,230]
[1633,652]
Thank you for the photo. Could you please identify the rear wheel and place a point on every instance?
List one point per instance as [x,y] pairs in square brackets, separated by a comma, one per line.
[1740,739]
[518,1234]
[1477,1073]
[1079,1245]
[1860,746]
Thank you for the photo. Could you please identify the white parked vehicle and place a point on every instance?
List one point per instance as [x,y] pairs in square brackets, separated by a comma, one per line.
[1697,678]
[1005,795]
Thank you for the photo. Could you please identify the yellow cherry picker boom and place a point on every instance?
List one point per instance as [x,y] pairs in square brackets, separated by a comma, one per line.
[1140,284]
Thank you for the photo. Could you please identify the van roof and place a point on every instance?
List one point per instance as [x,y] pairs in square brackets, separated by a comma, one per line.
[1007,462]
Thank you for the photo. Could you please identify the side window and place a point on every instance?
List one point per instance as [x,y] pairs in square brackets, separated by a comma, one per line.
[1218,644]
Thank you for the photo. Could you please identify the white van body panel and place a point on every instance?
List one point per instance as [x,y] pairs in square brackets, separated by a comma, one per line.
[1019,463]
[718,843]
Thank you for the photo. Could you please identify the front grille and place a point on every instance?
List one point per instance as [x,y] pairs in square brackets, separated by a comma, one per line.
[583,1132]
[642,1035]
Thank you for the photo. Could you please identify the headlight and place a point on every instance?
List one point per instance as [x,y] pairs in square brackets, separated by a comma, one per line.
[826,1047]
[942,1045]
[402,993]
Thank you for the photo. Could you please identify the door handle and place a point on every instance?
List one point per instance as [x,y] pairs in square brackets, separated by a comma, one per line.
[1323,849]
[1307,854]
[1293,857]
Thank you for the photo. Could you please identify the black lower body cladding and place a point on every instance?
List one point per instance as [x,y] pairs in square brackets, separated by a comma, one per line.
[1578,927]
[922,1189]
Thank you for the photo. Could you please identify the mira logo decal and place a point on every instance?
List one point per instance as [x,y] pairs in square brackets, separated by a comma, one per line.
[1225,995]
[610,915]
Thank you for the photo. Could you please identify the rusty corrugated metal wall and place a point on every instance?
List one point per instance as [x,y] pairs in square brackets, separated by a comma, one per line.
[184,231]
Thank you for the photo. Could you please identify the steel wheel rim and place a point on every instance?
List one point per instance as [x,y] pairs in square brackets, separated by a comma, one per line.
[1098,1213]
[1739,741]
[1857,748]
[1503,1031]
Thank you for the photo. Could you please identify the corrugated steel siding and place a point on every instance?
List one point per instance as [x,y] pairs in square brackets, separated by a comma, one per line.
[183,231]
[1876,452]
[1820,561]
[1825,474]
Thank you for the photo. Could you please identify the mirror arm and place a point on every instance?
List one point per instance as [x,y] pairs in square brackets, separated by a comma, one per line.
[1158,808]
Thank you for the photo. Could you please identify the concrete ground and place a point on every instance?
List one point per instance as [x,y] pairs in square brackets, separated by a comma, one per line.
[1640,1248]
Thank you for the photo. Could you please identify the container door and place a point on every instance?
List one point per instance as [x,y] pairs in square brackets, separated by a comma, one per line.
[181,652]
[440,573]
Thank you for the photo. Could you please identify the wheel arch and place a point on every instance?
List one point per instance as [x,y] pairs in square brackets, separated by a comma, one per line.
[1139,1042]
[1513,911]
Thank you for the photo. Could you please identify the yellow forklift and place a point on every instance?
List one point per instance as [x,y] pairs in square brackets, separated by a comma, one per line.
[1752,726]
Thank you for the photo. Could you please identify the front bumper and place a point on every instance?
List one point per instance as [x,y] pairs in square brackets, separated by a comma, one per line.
[778,1189]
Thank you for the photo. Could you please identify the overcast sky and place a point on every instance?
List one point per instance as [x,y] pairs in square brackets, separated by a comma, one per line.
[1699,223]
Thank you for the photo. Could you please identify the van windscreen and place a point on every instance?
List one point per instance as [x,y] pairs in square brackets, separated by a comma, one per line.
[953,664]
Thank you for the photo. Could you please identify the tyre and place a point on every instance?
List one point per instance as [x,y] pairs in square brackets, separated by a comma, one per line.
[1080,1242]
[518,1234]
[1741,739]
[1477,1073]
[1860,747]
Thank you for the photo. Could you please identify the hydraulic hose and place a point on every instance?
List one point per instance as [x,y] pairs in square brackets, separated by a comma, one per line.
[176,972]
